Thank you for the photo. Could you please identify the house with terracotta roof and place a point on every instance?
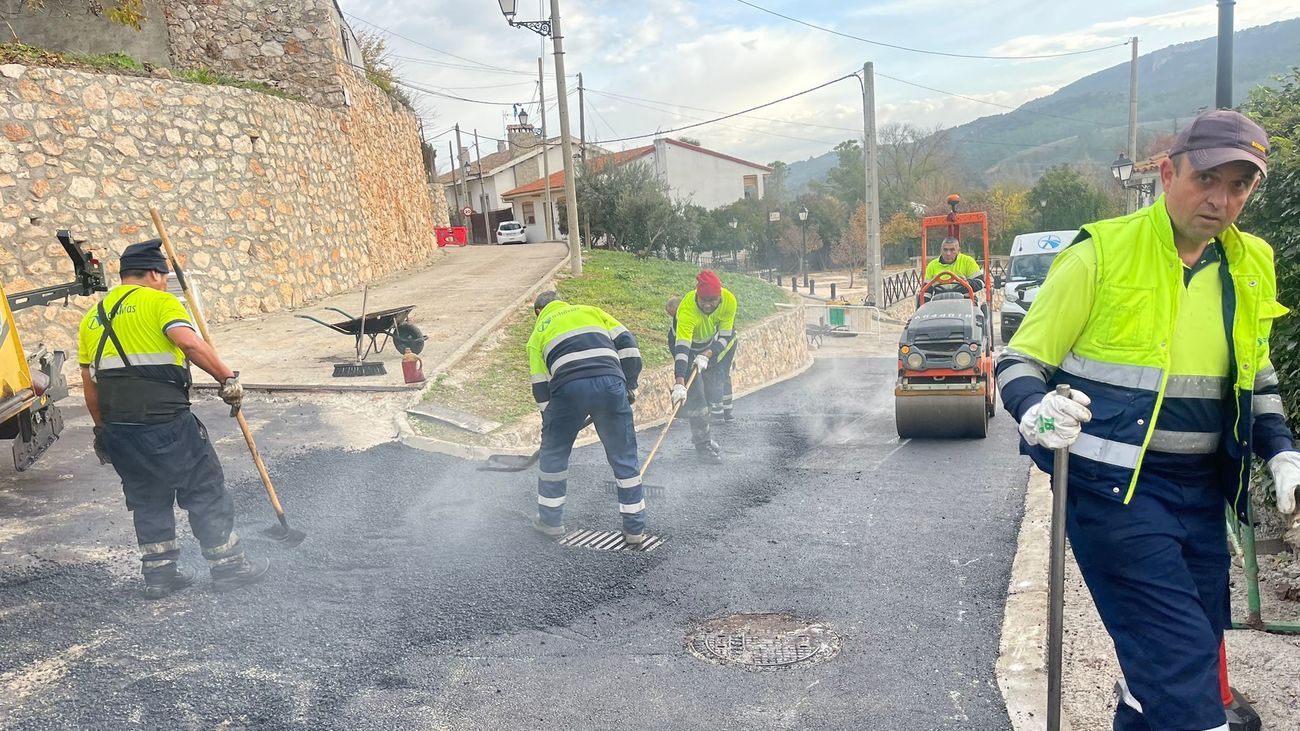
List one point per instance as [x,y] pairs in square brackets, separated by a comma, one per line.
[480,182]
[695,175]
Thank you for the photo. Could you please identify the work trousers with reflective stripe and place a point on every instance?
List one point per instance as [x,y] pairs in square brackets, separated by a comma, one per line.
[168,464]
[697,410]
[604,399]
[1157,569]
[717,383]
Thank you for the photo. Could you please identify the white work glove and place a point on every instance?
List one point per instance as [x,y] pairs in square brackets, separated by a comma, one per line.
[1056,421]
[232,392]
[702,362]
[1285,468]
[679,394]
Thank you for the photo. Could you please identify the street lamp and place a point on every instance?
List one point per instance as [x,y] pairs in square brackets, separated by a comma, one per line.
[733,223]
[1122,169]
[803,224]
[1042,214]
[551,28]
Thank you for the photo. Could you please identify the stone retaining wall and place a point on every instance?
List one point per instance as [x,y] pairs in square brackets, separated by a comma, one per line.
[272,203]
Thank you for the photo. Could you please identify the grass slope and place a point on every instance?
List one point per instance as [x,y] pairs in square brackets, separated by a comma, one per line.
[493,380]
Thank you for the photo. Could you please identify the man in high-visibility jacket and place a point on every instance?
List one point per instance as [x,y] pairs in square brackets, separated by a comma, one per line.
[952,260]
[706,342]
[584,364]
[135,350]
[1159,322]
[717,379]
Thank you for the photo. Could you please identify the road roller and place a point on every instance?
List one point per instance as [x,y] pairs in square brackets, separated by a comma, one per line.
[946,386]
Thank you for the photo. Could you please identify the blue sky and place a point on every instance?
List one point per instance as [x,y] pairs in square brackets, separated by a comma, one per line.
[668,60]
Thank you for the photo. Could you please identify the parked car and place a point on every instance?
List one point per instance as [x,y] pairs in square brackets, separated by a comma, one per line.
[511,232]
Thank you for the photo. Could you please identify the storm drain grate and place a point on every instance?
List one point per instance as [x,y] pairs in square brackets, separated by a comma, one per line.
[608,540]
[763,641]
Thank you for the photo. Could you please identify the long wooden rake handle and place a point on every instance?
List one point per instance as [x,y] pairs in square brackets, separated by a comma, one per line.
[207,336]
[659,442]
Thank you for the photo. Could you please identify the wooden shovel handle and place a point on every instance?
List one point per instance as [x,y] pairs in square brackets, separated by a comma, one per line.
[659,442]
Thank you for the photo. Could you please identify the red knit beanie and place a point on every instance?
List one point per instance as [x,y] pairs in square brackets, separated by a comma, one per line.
[707,284]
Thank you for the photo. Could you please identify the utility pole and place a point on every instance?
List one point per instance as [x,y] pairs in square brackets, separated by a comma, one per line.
[582,120]
[1131,196]
[549,213]
[464,181]
[566,143]
[455,189]
[1223,78]
[872,201]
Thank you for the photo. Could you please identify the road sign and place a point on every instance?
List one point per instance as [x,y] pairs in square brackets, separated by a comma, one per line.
[774,216]
[467,211]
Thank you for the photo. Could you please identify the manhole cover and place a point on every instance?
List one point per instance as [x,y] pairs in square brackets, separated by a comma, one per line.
[763,641]
[608,540]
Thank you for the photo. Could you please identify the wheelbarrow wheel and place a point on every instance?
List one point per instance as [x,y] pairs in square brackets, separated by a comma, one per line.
[408,336]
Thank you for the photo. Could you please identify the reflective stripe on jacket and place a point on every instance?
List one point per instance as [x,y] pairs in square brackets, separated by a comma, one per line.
[1102,323]
[579,341]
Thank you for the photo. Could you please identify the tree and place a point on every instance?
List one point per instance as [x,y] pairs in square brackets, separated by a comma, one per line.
[850,250]
[379,69]
[1007,207]
[846,181]
[629,207]
[909,160]
[689,140]
[1072,200]
[774,187]
[1273,212]
[899,237]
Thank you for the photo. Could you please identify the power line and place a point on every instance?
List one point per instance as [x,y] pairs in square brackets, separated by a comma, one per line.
[735,114]
[395,34]
[731,126]
[985,101]
[715,111]
[922,50]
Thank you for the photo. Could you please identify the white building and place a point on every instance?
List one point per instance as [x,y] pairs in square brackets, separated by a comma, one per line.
[695,175]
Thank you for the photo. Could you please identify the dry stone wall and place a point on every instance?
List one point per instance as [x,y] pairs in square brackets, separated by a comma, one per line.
[273,203]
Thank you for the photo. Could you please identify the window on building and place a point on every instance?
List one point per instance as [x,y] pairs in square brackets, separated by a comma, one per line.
[751,186]
[530,215]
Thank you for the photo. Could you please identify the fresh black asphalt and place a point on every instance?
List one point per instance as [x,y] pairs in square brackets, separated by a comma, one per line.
[423,599]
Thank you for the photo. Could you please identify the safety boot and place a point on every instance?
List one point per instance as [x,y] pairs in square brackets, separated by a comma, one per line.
[240,573]
[550,531]
[165,582]
[709,452]
[1241,715]
[634,539]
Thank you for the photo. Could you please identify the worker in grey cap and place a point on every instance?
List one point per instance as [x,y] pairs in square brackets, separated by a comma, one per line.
[135,350]
[1159,323]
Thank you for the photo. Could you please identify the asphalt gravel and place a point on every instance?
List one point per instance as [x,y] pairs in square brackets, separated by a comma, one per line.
[423,599]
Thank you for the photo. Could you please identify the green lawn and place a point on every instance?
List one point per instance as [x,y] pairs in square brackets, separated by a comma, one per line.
[633,290]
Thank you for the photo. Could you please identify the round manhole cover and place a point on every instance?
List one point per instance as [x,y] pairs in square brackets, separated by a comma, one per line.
[763,641]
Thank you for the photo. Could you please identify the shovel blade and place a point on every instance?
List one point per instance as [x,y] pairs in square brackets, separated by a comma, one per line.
[508,463]
[290,537]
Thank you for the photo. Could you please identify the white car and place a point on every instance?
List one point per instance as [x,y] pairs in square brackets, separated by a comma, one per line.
[1031,257]
[511,232]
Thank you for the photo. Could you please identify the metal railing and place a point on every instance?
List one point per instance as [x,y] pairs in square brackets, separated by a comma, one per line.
[900,286]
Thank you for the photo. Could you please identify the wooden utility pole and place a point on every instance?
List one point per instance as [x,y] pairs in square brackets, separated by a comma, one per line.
[582,120]
[464,181]
[566,143]
[549,212]
[1223,76]
[1131,197]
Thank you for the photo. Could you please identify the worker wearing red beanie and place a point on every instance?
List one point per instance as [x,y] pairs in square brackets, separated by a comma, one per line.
[704,338]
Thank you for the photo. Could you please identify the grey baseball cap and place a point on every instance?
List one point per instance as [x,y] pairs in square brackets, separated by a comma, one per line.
[1221,136]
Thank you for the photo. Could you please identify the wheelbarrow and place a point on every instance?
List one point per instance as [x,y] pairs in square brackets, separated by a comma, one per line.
[380,327]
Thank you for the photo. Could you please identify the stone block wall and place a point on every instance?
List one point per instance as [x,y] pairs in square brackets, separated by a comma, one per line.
[271,203]
[289,45]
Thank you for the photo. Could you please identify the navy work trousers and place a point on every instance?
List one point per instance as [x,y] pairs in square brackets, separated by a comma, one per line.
[167,464]
[604,398]
[717,384]
[1157,569]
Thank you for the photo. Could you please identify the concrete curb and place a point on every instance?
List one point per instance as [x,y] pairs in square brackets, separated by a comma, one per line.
[408,437]
[1022,652]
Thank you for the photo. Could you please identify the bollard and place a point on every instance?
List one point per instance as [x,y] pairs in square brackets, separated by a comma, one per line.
[832,290]
[778,280]
[812,286]
[794,284]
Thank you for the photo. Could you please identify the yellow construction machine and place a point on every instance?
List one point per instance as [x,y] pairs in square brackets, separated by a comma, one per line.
[30,382]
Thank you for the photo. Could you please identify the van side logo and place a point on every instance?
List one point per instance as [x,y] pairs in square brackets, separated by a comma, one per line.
[1051,242]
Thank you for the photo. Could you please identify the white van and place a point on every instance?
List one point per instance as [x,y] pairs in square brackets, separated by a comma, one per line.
[1031,257]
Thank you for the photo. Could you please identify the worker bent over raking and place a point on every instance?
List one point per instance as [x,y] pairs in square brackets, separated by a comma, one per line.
[584,364]
[705,340]
[135,351]
[1159,322]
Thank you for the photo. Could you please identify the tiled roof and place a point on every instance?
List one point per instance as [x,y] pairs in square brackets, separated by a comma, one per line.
[556,181]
